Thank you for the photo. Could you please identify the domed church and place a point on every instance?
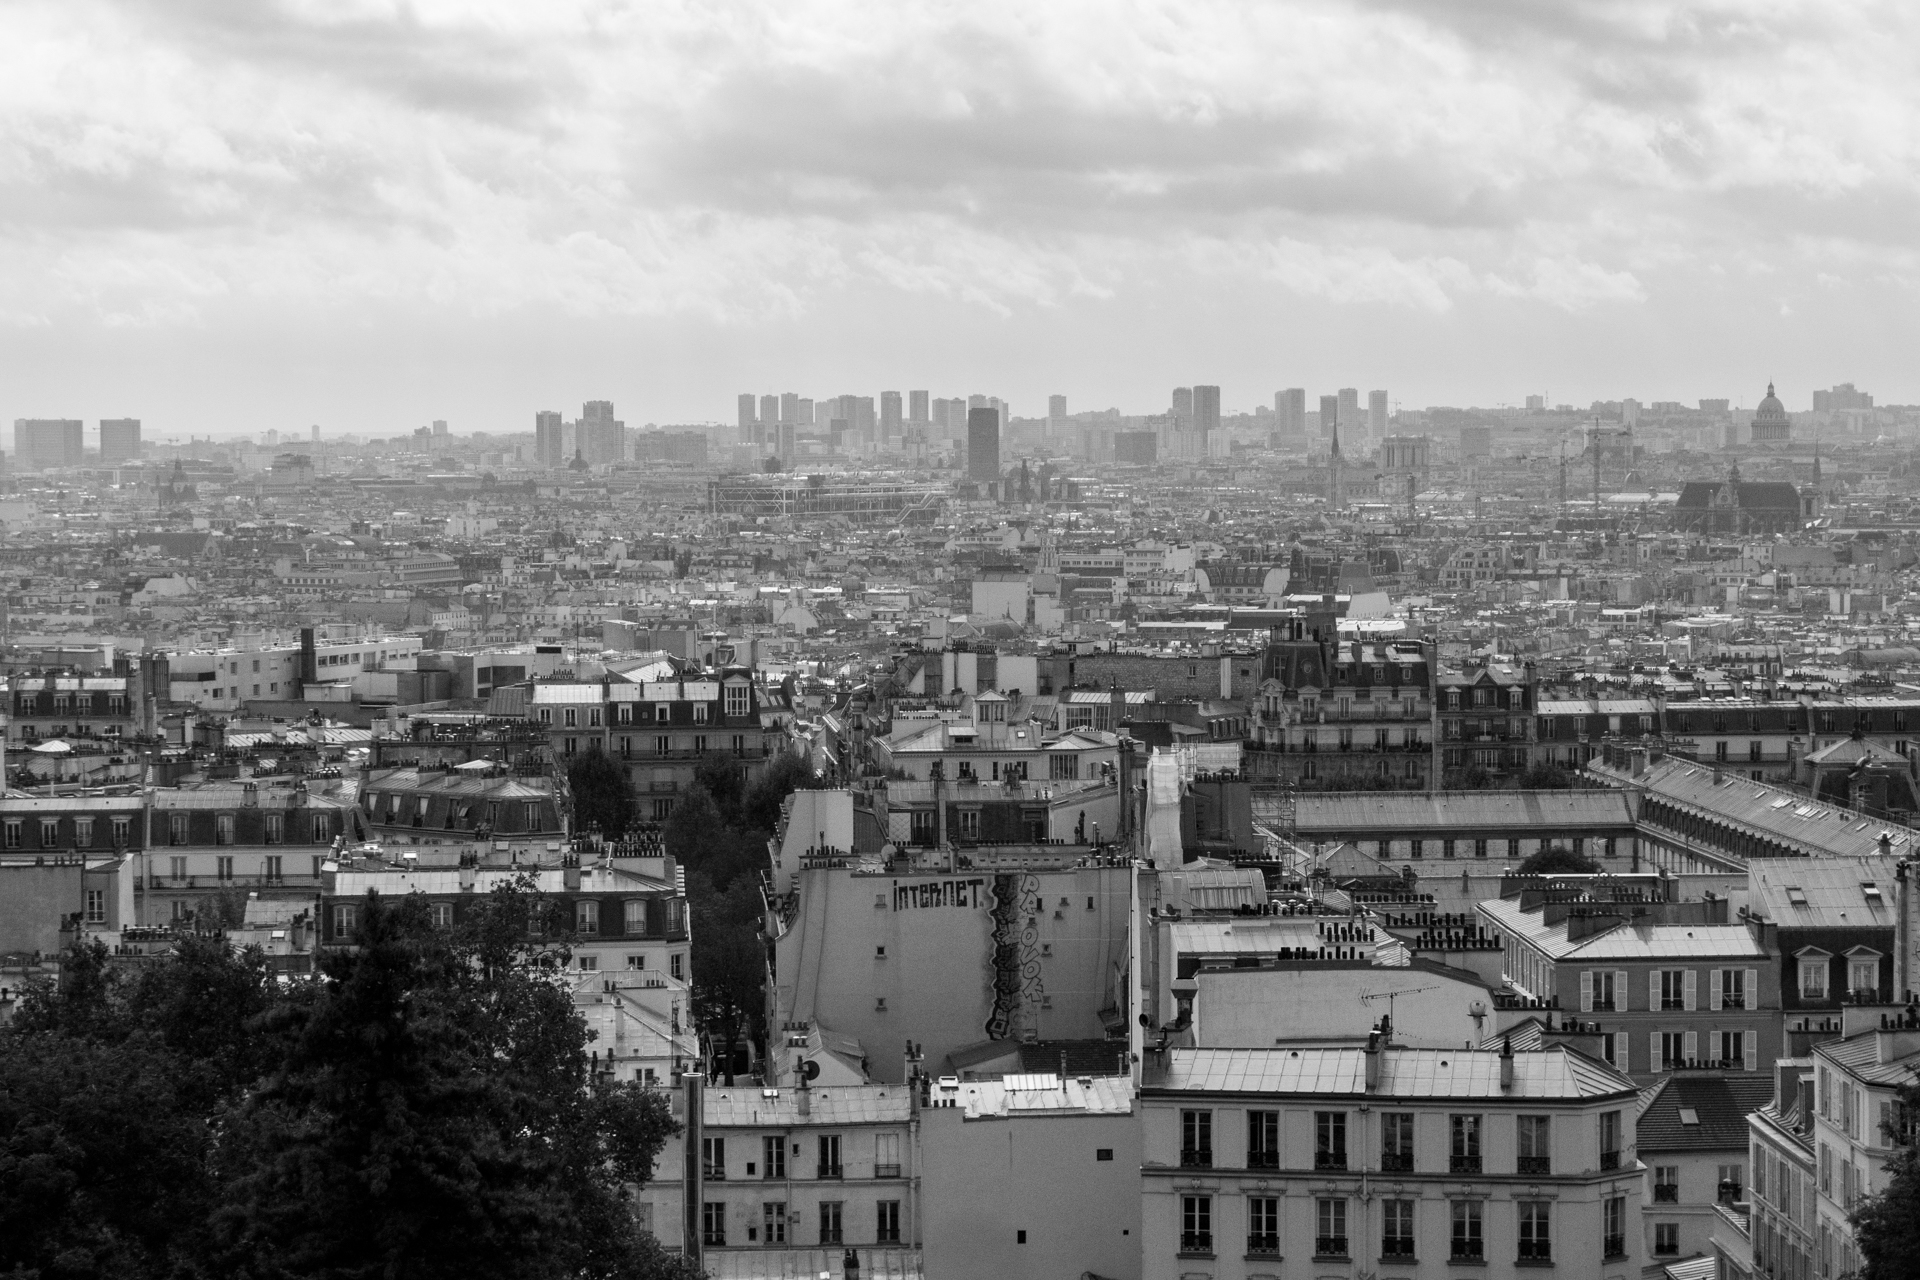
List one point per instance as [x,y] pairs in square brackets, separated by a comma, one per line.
[1771,426]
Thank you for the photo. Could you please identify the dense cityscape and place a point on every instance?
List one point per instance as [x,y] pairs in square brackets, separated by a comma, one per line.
[1329,837]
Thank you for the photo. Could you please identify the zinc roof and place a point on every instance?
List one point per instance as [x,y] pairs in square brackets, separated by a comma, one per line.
[1404,1073]
[1367,812]
[1791,817]
[1826,893]
[1629,940]
[998,1099]
[827,1105]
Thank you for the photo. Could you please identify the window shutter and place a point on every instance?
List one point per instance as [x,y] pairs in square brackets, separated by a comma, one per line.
[1752,992]
[1653,989]
[1746,1048]
[1586,991]
[1653,1051]
[1690,990]
[1620,991]
[1690,1046]
[1716,989]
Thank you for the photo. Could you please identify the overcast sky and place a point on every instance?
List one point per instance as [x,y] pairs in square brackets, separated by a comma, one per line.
[230,215]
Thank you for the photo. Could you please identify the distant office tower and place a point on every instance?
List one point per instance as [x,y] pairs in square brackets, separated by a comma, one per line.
[863,419]
[890,421]
[1056,406]
[748,419]
[916,406]
[1377,414]
[549,437]
[1536,404]
[1350,408]
[789,407]
[1206,413]
[803,415]
[440,426]
[983,444]
[316,433]
[1183,403]
[1329,415]
[39,443]
[1137,448]
[120,440]
[769,411]
[598,435]
[1290,413]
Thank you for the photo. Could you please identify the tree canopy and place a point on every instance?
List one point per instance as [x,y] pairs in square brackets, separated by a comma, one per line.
[424,1107]
[1558,860]
[602,793]
[1886,1224]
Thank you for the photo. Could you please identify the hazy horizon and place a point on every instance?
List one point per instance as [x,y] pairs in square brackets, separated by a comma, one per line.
[224,219]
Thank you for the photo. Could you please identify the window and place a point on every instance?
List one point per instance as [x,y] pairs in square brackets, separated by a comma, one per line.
[773,1219]
[13,833]
[1196,1139]
[96,906]
[1396,1229]
[675,963]
[346,918]
[1536,1238]
[1666,1239]
[570,718]
[532,816]
[1396,1142]
[1813,975]
[443,915]
[1535,1144]
[1330,1241]
[223,867]
[177,867]
[223,828]
[1330,1140]
[1613,1227]
[829,1152]
[773,1159]
[83,833]
[1263,1224]
[1727,1187]
[1468,1241]
[271,868]
[830,1229]
[634,916]
[886,1155]
[1673,988]
[888,1228]
[323,828]
[713,1159]
[586,916]
[713,1223]
[273,828]
[1733,988]
[702,712]
[1414,848]
[49,832]
[1733,1047]
[1196,1224]
[736,700]
[1263,1139]
[1599,990]
[1446,848]
[1863,976]
[122,831]
[1673,1049]
[1609,1140]
[1465,1155]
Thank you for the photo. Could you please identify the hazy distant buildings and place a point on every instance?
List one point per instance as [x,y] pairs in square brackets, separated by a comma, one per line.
[39,443]
[1056,406]
[790,407]
[916,406]
[550,439]
[1137,448]
[1206,416]
[1290,415]
[749,421]
[120,440]
[983,444]
[1377,414]
[1350,409]
[890,420]
[1842,397]
[1329,415]
[1183,404]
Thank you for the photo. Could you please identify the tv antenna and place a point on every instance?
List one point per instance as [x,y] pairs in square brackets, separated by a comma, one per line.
[1389,997]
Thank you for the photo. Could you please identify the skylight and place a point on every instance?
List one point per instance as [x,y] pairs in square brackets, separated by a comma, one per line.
[1689,1116]
[1796,895]
[1872,891]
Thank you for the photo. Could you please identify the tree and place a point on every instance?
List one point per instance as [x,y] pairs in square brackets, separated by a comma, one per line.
[1558,860]
[729,964]
[760,807]
[718,775]
[1546,777]
[602,793]
[1886,1224]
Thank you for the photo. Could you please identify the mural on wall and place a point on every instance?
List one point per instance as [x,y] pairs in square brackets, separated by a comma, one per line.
[1014,954]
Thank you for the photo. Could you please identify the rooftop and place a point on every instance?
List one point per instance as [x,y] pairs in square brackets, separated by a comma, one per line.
[1404,1073]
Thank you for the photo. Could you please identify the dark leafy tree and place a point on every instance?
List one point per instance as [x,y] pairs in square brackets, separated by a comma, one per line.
[760,807]
[729,964]
[1886,1224]
[719,776]
[602,793]
[1558,860]
[1546,777]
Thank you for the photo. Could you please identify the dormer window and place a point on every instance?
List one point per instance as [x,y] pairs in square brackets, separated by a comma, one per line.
[1813,972]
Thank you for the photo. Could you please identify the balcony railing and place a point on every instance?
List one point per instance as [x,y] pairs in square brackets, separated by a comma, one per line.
[1463,1164]
[828,1171]
[1666,1193]
[1196,1157]
[1396,1162]
[1729,1192]
[1609,1160]
[1196,1242]
[1536,1164]
[1329,1159]
[1614,1247]
[713,1173]
[1263,1159]
[1263,1244]
[886,1170]
[1329,1246]
[1396,1247]
[1536,1251]
[1468,1249]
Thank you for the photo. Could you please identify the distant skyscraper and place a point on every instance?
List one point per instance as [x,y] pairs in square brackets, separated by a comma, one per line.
[39,443]
[1377,415]
[1350,408]
[889,417]
[598,438]
[1206,415]
[120,440]
[789,407]
[1290,413]
[804,413]
[440,426]
[1329,415]
[1183,403]
[549,437]
[769,411]
[316,433]
[1056,406]
[916,406]
[748,419]
[983,444]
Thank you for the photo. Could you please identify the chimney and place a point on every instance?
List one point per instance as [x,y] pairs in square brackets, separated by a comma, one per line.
[1506,1065]
[570,877]
[1373,1062]
[692,1168]
[1637,758]
[1116,707]
[804,1096]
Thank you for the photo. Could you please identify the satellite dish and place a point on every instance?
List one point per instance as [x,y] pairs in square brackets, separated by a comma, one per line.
[810,1070]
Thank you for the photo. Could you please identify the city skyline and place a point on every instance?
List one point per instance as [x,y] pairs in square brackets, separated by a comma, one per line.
[225,222]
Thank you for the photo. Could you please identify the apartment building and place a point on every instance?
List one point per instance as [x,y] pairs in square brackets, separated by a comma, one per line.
[1832,925]
[1692,1135]
[1263,1162]
[440,803]
[794,1180]
[1486,718]
[1667,986]
[1858,1120]
[1777,1237]
[1345,711]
